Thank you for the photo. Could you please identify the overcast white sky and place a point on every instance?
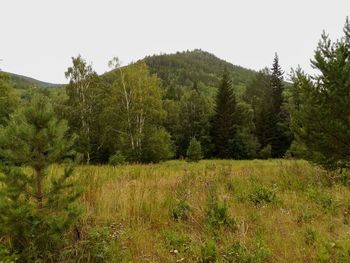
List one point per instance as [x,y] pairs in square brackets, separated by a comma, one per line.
[39,37]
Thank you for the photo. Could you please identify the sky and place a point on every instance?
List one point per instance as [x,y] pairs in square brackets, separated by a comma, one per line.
[39,37]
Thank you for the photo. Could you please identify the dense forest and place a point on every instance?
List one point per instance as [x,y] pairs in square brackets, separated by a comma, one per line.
[150,110]
[190,105]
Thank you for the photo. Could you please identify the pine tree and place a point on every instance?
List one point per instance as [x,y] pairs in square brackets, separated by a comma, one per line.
[194,151]
[36,208]
[277,85]
[8,98]
[321,113]
[223,129]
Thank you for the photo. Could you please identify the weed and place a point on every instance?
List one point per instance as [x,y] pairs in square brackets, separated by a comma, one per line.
[261,195]
[217,211]
[177,241]
[322,198]
[310,236]
[209,252]
[240,254]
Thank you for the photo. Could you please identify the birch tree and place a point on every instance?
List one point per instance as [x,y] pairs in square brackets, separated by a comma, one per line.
[83,99]
[135,104]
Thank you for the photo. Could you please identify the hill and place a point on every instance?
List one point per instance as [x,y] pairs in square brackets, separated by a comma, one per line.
[181,69]
[23,82]
[188,67]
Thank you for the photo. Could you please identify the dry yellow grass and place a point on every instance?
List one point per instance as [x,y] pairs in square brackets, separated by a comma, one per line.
[307,221]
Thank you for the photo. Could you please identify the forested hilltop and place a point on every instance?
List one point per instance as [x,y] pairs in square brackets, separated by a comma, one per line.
[150,110]
[183,69]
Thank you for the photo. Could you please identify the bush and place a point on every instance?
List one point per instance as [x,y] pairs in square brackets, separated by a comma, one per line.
[157,146]
[216,211]
[322,198]
[95,247]
[265,153]
[240,254]
[209,253]
[194,151]
[181,210]
[117,159]
[177,241]
[262,194]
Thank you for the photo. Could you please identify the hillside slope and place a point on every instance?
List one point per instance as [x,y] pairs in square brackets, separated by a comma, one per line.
[23,82]
[185,68]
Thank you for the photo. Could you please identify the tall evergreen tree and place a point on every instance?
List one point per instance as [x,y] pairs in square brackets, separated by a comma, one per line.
[223,129]
[280,134]
[321,112]
[36,209]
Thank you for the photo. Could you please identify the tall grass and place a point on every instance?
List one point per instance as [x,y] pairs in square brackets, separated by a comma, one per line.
[283,211]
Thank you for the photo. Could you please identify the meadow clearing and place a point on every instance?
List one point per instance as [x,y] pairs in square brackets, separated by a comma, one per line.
[213,211]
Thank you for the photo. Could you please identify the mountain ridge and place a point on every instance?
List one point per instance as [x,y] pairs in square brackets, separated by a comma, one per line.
[183,68]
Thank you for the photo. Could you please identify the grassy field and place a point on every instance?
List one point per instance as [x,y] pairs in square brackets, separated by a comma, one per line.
[214,211]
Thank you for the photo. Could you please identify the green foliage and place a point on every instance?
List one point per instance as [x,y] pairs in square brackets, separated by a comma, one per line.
[209,252]
[117,159]
[36,209]
[8,98]
[183,69]
[181,210]
[157,146]
[96,247]
[265,153]
[82,108]
[240,254]
[223,126]
[266,96]
[324,199]
[195,110]
[320,105]
[133,114]
[194,151]
[262,194]
[310,236]
[217,211]
[177,240]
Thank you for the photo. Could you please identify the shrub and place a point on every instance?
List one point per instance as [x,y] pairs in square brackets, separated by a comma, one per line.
[209,253]
[194,151]
[265,153]
[157,146]
[95,247]
[310,236]
[177,241]
[37,210]
[181,210]
[262,194]
[216,211]
[322,198]
[240,254]
[117,159]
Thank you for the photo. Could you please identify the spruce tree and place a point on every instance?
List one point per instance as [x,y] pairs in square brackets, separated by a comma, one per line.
[321,112]
[36,208]
[194,151]
[280,134]
[223,129]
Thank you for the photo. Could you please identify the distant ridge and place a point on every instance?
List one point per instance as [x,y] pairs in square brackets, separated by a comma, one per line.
[185,68]
[23,82]
[180,69]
